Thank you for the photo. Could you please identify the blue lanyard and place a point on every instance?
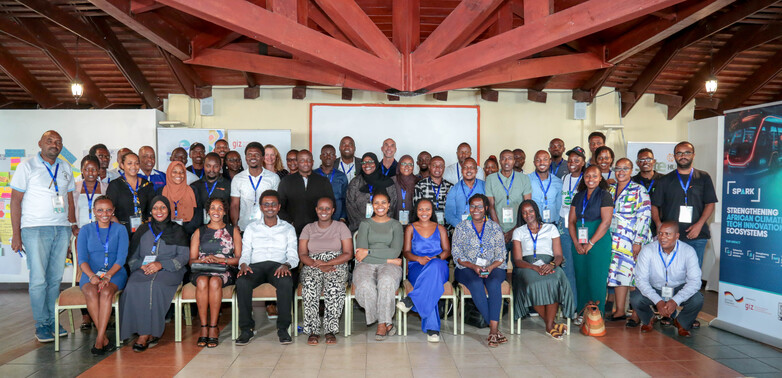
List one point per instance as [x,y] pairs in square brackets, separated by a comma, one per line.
[570,183]
[255,187]
[331,177]
[157,238]
[660,252]
[467,195]
[210,191]
[437,196]
[545,191]
[385,171]
[609,175]
[507,190]
[685,187]
[343,168]
[134,192]
[584,206]
[90,197]
[176,208]
[404,196]
[555,170]
[649,188]
[480,236]
[192,169]
[371,195]
[105,244]
[54,176]
[618,192]
[534,242]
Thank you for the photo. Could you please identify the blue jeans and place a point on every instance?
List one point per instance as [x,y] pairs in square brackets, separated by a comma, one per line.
[699,245]
[488,305]
[46,248]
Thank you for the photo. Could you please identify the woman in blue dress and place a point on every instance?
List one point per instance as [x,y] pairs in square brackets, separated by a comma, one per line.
[102,250]
[427,269]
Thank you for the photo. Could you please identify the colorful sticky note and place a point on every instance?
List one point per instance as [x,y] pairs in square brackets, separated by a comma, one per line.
[14,163]
[67,155]
[5,178]
[9,153]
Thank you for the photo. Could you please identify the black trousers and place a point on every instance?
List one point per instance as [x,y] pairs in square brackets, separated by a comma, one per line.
[263,272]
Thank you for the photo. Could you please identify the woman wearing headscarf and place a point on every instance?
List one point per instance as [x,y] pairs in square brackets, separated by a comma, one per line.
[185,210]
[405,181]
[362,188]
[158,256]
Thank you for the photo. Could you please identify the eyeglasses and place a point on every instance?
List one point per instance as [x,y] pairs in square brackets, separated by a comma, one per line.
[476,207]
[645,160]
[269,204]
[406,164]
[368,162]
[622,169]
[683,153]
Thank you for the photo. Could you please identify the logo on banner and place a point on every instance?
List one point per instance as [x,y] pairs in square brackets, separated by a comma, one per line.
[752,192]
[729,297]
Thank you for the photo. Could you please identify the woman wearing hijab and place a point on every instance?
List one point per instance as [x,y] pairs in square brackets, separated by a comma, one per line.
[362,188]
[185,211]
[158,255]
[405,182]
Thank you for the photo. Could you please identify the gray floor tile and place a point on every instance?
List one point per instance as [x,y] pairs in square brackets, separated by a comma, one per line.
[720,351]
[775,362]
[748,365]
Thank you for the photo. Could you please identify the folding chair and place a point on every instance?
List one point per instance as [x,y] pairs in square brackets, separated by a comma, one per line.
[188,295]
[449,293]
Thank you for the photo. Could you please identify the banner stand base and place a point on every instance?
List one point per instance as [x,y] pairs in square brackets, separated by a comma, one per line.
[746,332]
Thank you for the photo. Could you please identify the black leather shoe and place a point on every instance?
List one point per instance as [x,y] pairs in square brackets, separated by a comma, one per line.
[97,351]
[153,341]
[140,347]
[285,337]
[245,337]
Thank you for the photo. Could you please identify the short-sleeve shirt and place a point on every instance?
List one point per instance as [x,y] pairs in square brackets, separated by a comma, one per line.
[33,179]
[547,199]
[545,237]
[600,198]
[669,195]
[249,198]
[325,239]
[496,184]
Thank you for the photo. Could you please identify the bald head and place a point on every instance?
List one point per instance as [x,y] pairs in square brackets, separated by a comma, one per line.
[51,145]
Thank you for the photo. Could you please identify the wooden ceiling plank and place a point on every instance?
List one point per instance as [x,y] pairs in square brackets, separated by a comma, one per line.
[187,78]
[753,83]
[14,69]
[358,27]
[61,17]
[149,25]
[120,56]
[536,36]
[14,30]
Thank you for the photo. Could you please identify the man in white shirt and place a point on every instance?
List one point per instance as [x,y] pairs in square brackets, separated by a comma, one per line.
[247,186]
[667,276]
[269,251]
[453,172]
[347,160]
[42,220]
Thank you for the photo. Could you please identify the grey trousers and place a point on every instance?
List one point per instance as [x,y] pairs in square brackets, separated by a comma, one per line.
[690,308]
[376,286]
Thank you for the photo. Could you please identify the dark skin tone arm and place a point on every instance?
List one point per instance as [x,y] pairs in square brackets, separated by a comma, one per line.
[325,266]
[493,214]
[695,229]
[543,270]
[195,243]
[16,219]
[606,213]
[408,244]
[235,201]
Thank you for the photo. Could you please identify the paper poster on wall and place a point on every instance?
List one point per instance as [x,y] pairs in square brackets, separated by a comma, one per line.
[238,139]
[663,153]
[170,138]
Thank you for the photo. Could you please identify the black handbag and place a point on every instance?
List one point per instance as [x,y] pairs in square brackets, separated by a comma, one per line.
[208,268]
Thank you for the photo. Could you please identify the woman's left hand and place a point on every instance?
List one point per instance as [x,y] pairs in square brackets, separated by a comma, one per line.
[361,253]
[152,268]
[587,247]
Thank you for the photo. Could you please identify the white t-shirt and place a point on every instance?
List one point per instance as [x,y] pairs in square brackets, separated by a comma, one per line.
[81,203]
[191,177]
[33,179]
[569,190]
[249,198]
[453,173]
[545,236]
[348,169]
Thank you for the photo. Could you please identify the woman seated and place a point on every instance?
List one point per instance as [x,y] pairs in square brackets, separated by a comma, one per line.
[158,255]
[214,243]
[538,278]
[186,212]
[325,247]
[479,254]
[379,268]
[103,248]
[427,268]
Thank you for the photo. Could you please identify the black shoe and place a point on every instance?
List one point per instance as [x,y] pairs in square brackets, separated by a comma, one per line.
[285,338]
[97,351]
[405,304]
[245,337]
[140,347]
[110,347]
[153,341]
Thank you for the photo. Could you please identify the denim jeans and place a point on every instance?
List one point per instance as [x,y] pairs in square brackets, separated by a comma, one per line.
[699,245]
[46,248]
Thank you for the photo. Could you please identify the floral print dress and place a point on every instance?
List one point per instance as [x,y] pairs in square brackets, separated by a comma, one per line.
[219,243]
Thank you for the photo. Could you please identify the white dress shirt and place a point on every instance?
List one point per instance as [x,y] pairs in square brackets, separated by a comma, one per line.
[263,243]
[249,198]
[683,269]
[453,173]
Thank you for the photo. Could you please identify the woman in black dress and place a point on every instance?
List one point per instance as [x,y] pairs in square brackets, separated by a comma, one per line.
[131,195]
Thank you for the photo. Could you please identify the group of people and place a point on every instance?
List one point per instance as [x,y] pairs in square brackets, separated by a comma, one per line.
[574,230]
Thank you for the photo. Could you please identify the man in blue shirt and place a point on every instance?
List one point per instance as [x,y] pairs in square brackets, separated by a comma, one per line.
[457,201]
[338,180]
[146,156]
[546,188]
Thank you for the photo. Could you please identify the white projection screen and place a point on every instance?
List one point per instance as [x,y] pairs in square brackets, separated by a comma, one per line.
[415,128]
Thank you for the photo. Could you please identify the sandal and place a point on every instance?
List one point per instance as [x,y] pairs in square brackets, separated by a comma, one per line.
[381,336]
[631,323]
[666,321]
[501,338]
[202,340]
[313,339]
[492,341]
[85,326]
[212,342]
[561,327]
[555,334]
[390,329]
[696,324]
[330,338]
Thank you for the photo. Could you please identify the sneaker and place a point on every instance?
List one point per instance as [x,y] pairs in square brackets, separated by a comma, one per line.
[433,338]
[63,331]
[285,338]
[44,334]
[245,337]
[405,304]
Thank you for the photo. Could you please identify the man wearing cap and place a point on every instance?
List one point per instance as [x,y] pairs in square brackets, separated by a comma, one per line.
[197,153]
[576,158]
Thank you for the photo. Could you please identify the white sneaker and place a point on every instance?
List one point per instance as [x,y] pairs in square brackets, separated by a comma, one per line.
[433,338]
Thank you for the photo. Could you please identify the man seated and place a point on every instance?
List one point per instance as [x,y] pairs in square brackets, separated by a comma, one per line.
[269,251]
[668,276]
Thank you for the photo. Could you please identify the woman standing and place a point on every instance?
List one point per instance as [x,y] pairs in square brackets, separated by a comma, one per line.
[368,181]
[604,156]
[405,181]
[102,253]
[379,268]
[131,194]
[479,254]
[325,247]
[186,212]
[214,243]
[590,218]
[629,232]
[576,158]
[233,165]
[538,278]
[427,268]
[273,162]
[158,254]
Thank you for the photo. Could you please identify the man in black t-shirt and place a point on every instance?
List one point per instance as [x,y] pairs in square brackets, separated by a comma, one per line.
[647,176]
[685,195]
[213,184]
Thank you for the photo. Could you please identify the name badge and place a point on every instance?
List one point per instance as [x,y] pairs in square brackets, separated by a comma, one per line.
[482,262]
[567,219]
[440,217]
[507,215]
[135,221]
[547,215]
[58,204]
[583,235]
[614,223]
[178,221]
[685,214]
[369,210]
[538,263]
[666,293]
[101,273]
[255,215]
[206,217]
[404,217]
[149,259]
[465,216]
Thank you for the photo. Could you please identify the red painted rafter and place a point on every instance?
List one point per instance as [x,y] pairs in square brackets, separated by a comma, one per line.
[14,69]
[406,34]
[60,17]
[752,84]
[320,19]
[187,78]
[537,9]
[359,28]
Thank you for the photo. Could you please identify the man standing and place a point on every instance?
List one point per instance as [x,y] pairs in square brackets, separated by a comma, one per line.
[347,161]
[221,148]
[647,176]
[338,180]
[388,163]
[453,173]
[197,153]
[457,204]
[269,251]
[247,186]
[519,158]
[687,196]
[596,140]
[115,173]
[180,154]
[42,221]
[101,152]
[434,187]
[290,160]
[506,190]
[556,149]
[667,275]
[300,192]
[424,158]
[146,156]
[212,185]
[546,188]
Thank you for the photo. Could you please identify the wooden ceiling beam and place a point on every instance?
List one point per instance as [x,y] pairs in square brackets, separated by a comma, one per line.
[649,33]
[320,19]
[287,8]
[148,25]
[187,78]
[66,20]
[590,88]
[488,94]
[752,84]
[359,28]
[14,69]
[301,41]
[12,29]
[143,6]
[406,24]
[203,40]
[533,37]
[537,9]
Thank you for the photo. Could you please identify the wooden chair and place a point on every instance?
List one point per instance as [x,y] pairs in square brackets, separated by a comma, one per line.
[449,293]
[297,297]
[188,295]
[507,293]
